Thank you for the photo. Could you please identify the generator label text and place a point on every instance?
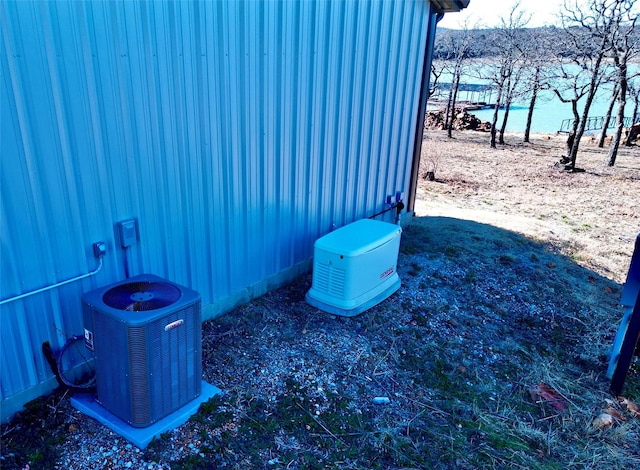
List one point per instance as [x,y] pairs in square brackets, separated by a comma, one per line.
[387,273]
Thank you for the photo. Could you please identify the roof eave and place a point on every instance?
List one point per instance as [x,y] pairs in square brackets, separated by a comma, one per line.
[446,6]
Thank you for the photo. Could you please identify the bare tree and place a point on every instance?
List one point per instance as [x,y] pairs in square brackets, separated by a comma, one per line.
[626,45]
[436,73]
[459,48]
[634,93]
[587,31]
[513,90]
[504,72]
[538,46]
[535,90]
[453,98]
[607,117]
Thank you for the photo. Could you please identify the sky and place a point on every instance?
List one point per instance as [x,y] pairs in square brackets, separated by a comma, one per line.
[487,13]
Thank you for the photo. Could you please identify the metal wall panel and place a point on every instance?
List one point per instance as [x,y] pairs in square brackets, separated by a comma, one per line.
[236,133]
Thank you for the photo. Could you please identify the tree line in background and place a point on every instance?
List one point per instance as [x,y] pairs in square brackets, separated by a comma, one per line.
[592,50]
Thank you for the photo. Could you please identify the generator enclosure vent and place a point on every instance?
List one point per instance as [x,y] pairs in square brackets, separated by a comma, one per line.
[146,337]
[354,267]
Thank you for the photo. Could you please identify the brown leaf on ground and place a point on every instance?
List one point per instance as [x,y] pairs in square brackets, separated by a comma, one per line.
[615,413]
[630,406]
[546,394]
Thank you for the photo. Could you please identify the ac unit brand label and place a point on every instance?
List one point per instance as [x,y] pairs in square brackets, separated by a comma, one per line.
[173,325]
[88,339]
[387,273]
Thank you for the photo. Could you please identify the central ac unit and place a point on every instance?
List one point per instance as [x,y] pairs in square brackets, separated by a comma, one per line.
[146,336]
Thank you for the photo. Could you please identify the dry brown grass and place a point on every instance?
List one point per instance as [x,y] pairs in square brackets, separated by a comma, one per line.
[593,216]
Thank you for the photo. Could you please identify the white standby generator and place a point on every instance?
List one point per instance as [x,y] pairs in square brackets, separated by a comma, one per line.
[354,267]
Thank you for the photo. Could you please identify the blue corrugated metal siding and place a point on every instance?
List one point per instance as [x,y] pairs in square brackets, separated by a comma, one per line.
[236,133]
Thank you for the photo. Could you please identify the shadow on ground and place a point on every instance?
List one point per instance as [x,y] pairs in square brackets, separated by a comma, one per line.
[483,316]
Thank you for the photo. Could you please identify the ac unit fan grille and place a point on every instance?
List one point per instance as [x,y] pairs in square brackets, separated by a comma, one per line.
[141,296]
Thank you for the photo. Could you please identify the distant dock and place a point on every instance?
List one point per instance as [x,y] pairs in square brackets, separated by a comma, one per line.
[472,96]
[466,105]
[595,123]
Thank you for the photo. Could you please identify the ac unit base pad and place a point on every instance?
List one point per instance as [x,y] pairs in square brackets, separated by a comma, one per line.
[87,404]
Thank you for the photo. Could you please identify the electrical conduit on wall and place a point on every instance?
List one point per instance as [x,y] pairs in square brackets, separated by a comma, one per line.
[99,249]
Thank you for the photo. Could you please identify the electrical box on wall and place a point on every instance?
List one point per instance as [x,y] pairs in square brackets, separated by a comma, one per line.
[128,232]
[354,267]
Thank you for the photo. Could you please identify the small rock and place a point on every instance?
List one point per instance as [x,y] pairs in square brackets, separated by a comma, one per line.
[605,420]
[381,400]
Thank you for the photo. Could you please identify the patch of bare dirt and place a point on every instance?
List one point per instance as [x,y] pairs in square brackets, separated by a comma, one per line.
[593,216]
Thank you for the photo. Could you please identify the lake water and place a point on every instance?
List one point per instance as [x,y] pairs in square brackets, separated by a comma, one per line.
[549,111]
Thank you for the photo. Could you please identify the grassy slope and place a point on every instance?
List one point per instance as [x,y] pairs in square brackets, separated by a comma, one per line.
[486,312]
